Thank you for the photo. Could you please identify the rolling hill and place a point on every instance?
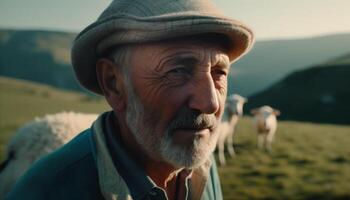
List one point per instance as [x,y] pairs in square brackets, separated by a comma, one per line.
[317,94]
[44,57]
[270,61]
[21,101]
[39,56]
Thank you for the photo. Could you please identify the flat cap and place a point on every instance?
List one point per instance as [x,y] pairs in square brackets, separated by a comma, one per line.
[137,21]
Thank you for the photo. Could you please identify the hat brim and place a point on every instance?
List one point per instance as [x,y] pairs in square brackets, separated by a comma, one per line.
[129,29]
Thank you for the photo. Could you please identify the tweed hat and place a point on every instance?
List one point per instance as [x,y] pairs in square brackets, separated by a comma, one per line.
[137,21]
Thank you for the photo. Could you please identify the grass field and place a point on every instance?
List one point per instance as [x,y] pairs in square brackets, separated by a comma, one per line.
[308,161]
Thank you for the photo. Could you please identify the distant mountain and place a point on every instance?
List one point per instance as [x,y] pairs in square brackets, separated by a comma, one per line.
[317,94]
[270,61]
[44,56]
[41,56]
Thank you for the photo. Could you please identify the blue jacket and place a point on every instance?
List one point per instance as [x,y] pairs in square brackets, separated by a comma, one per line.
[68,173]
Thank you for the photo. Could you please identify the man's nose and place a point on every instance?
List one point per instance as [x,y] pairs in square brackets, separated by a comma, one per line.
[204,97]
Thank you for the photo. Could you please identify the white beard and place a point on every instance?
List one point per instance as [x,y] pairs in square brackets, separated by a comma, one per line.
[191,156]
[160,147]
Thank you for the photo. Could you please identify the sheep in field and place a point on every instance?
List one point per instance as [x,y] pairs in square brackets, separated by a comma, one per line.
[233,110]
[36,139]
[266,125]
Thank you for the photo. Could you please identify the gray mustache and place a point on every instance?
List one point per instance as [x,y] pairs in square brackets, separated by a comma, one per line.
[192,119]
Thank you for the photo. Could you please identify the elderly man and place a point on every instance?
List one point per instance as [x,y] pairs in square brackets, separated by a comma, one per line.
[162,66]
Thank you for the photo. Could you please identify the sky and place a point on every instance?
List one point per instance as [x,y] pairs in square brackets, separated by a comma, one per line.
[270,19]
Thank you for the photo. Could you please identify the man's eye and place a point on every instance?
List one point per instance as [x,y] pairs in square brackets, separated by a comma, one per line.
[220,72]
[179,71]
[178,75]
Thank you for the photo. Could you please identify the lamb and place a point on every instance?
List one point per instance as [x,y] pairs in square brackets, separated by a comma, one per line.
[266,125]
[36,139]
[233,110]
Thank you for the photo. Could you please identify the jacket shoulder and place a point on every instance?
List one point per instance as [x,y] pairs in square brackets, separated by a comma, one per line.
[67,173]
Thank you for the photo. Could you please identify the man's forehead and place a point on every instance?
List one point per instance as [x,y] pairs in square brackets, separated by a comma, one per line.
[184,48]
[183,52]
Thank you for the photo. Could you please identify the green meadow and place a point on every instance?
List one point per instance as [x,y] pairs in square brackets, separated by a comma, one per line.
[308,161]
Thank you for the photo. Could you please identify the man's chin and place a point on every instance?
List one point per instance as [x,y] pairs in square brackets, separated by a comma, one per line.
[190,157]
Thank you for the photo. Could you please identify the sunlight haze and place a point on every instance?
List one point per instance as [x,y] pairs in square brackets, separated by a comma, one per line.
[270,19]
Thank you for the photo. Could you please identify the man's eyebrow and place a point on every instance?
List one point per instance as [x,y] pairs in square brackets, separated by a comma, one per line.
[185,60]
[181,58]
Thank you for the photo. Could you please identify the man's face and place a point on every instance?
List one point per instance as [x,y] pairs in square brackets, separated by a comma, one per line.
[176,94]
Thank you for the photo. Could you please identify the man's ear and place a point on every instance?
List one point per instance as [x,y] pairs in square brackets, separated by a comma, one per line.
[111,81]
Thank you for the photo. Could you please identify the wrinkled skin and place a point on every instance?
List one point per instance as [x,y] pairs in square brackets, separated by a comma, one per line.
[179,81]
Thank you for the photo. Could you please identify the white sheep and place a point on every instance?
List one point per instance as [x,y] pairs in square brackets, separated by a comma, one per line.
[265,121]
[36,139]
[233,110]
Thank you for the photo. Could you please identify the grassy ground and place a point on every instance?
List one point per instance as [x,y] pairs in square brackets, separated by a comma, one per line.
[308,161]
